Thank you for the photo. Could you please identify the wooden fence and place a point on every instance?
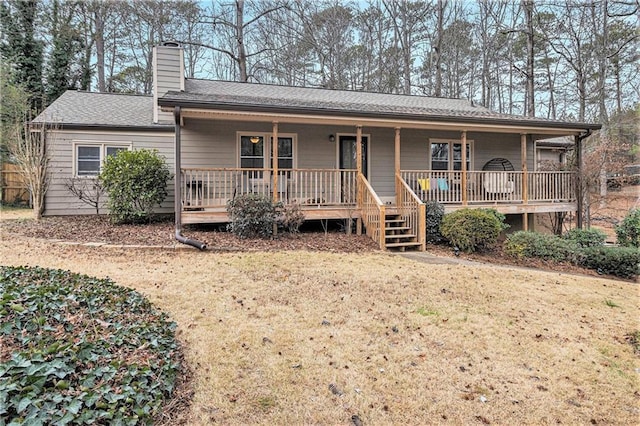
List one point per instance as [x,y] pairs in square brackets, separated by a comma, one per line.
[12,185]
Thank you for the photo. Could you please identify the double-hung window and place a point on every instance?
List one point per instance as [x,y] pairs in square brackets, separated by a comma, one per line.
[252,152]
[447,154]
[90,156]
[255,152]
[285,154]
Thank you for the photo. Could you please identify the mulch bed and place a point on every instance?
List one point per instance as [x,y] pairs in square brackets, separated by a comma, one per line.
[98,229]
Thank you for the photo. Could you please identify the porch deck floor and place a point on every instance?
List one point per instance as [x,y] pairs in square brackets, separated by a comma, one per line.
[220,215]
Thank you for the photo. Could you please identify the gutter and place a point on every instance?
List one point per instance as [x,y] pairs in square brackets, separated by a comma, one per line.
[178,190]
[586,134]
[110,127]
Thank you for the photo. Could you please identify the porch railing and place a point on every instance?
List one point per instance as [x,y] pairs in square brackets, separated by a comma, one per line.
[490,187]
[213,187]
[372,211]
[434,185]
[552,186]
[412,210]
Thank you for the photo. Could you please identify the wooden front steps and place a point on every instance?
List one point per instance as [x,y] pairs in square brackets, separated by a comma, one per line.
[397,235]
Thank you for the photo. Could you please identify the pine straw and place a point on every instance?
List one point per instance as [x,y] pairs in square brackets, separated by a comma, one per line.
[402,342]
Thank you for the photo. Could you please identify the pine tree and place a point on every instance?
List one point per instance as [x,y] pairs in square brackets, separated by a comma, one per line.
[20,49]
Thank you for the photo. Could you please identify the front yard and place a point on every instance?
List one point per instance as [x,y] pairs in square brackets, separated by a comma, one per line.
[291,337]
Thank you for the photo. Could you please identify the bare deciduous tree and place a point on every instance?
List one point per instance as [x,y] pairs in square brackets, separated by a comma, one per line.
[28,149]
[88,190]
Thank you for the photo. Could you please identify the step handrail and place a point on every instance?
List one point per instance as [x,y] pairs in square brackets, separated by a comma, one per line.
[373,211]
[412,209]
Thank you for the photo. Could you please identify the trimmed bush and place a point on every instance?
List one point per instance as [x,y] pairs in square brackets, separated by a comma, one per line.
[619,261]
[136,182]
[472,229]
[586,237]
[435,213]
[290,217]
[81,350]
[522,244]
[252,215]
[628,232]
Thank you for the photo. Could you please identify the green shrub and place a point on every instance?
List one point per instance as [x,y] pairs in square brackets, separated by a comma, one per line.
[252,215]
[435,213]
[501,218]
[81,350]
[471,229]
[522,244]
[620,261]
[628,232]
[136,182]
[586,237]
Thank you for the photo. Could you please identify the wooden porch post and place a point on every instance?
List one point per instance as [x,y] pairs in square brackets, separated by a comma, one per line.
[359,149]
[274,166]
[525,180]
[274,161]
[177,182]
[358,173]
[397,167]
[579,194]
[463,180]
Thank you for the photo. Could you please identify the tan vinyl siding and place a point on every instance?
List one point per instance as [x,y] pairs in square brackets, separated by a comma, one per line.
[500,145]
[168,75]
[59,201]
[382,161]
[213,144]
[486,146]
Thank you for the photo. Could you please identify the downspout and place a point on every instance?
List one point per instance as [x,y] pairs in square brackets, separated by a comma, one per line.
[580,196]
[178,189]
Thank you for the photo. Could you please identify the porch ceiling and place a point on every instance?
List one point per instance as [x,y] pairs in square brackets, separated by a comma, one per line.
[390,122]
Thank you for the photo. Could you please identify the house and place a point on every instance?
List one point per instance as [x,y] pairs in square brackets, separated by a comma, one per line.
[369,157]
[551,154]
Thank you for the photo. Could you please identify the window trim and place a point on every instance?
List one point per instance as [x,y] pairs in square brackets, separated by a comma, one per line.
[451,142]
[267,138]
[103,145]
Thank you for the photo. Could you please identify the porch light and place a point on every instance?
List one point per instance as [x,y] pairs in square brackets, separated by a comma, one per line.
[254,139]
[332,138]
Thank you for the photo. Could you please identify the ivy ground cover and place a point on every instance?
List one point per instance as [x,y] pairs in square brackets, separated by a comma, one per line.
[81,350]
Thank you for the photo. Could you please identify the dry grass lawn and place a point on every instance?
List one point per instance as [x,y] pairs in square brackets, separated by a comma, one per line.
[400,342]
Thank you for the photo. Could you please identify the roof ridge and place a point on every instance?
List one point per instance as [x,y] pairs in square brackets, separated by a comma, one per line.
[90,92]
[338,90]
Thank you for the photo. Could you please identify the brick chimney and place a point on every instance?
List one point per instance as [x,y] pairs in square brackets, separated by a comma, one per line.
[168,74]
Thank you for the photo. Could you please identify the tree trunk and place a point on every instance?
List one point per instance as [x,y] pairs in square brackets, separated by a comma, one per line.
[99,39]
[602,62]
[242,53]
[551,83]
[437,90]
[530,110]
[406,53]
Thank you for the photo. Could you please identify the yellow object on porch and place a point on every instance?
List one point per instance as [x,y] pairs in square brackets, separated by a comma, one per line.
[425,184]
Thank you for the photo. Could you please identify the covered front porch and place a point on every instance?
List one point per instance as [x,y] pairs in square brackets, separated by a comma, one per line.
[381,189]
[345,194]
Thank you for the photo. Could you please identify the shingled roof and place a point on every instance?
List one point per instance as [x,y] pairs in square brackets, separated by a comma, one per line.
[264,97]
[91,109]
